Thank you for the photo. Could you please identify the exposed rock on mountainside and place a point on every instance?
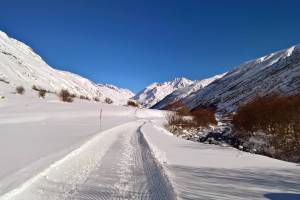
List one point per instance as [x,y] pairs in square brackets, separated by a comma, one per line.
[278,72]
[181,93]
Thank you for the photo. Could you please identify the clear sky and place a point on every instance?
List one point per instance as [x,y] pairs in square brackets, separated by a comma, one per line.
[134,43]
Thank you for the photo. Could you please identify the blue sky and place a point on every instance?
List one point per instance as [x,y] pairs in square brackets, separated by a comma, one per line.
[134,43]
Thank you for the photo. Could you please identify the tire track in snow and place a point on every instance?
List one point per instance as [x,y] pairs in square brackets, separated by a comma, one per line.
[59,180]
[116,164]
[128,171]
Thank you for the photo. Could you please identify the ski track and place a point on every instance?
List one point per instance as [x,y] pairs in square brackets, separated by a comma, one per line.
[115,164]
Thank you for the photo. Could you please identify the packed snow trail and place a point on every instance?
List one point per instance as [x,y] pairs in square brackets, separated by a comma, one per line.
[115,164]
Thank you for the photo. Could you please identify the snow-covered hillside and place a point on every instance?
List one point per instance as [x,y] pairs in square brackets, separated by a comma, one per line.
[119,96]
[157,91]
[278,72]
[181,93]
[21,66]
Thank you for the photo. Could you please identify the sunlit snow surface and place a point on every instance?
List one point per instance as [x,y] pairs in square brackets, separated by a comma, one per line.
[55,150]
[203,171]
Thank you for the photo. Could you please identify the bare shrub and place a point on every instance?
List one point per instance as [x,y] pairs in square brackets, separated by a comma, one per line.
[132,103]
[20,90]
[278,118]
[108,100]
[176,121]
[84,97]
[65,96]
[96,99]
[184,119]
[73,95]
[179,107]
[42,93]
[204,117]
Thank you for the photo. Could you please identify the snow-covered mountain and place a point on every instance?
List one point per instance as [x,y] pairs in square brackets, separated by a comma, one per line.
[21,66]
[157,91]
[278,72]
[181,93]
[119,96]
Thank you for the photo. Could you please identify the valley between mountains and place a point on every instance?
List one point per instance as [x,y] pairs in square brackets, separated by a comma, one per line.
[63,136]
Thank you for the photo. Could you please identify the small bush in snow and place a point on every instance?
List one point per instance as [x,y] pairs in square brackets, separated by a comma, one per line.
[65,96]
[179,107]
[179,124]
[20,90]
[183,122]
[132,103]
[84,97]
[204,117]
[96,99]
[42,93]
[108,100]
[175,119]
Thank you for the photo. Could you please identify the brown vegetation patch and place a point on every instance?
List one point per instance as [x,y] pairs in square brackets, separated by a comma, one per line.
[275,119]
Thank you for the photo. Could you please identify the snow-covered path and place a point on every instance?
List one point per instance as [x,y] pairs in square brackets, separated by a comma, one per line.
[114,164]
[127,171]
[53,150]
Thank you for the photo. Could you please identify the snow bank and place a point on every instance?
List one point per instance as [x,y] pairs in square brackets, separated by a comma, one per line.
[202,171]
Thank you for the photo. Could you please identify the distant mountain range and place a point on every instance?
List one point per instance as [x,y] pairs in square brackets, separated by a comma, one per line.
[21,66]
[179,94]
[157,91]
[278,72]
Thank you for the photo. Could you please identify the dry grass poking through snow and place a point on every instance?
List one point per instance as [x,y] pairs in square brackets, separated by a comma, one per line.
[183,119]
[132,103]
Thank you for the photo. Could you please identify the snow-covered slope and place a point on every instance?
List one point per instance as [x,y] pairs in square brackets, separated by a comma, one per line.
[119,96]
[203,171]
[278,72]
[157,91]
[21,66]
[181,93]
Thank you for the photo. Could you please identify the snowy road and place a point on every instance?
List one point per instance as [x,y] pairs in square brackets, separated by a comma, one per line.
[115,164]
[63,156]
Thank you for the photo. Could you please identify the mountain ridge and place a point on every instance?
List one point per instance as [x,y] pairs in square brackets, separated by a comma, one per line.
[278,72]
[21,66]
[157,91]
[181,93]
